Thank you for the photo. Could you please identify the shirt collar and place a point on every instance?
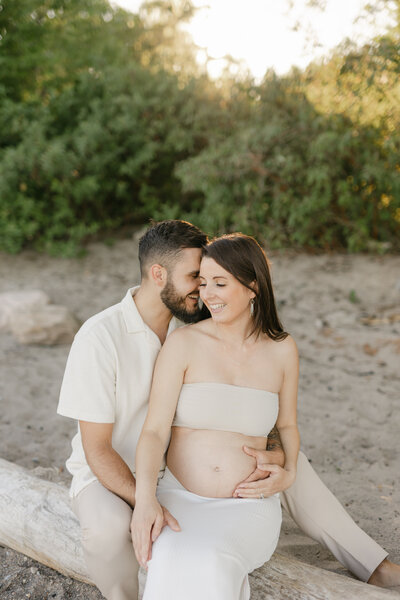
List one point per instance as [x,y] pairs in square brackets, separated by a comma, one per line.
[132,317]
[133,320]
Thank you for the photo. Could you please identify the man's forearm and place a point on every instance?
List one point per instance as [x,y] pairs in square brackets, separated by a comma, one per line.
[274,440]
[113,472]
[274,448]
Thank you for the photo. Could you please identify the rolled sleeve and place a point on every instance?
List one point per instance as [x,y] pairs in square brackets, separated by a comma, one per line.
[88,387]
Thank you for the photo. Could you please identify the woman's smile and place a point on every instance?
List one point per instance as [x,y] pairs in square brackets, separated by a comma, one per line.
[216,308]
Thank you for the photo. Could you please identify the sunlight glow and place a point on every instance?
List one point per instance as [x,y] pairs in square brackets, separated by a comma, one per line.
[267,34]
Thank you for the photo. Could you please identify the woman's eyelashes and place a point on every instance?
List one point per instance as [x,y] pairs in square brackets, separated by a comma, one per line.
[217,284]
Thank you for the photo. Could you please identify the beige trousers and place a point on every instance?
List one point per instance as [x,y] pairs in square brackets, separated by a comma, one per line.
[106,541]
[105,521]
[320,515]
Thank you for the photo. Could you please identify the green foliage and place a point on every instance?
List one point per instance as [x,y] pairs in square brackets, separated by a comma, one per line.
[293,176]
[106,121]
[97,156]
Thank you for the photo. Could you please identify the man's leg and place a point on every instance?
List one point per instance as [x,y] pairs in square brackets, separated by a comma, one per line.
[106,541]
[321,516]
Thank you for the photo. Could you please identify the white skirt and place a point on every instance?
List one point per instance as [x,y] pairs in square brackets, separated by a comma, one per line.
[221,541]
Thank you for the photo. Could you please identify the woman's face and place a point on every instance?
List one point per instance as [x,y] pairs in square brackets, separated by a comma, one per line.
[225,297]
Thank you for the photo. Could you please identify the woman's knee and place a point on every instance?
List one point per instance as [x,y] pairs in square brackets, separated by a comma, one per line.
[174,552]
[174,569]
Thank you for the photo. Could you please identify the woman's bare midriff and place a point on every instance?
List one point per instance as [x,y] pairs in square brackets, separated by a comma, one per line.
[211,463]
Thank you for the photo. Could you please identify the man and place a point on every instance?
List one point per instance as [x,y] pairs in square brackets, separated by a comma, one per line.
[106,388]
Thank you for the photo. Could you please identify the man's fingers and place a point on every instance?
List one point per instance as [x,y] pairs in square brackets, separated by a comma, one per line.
[268,467]
[251,451]
[265,467]
[259,474]
[256,476]
[276,482]
[252,477]
[260,456]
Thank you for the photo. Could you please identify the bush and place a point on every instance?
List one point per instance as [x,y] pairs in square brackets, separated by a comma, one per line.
[106,121]
[298,178]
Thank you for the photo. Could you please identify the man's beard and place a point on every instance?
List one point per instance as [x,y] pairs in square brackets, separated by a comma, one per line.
[177,305]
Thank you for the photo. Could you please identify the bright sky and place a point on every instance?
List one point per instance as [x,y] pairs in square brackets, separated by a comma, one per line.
[260,32]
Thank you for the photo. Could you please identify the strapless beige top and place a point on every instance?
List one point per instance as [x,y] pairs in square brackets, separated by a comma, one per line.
[227,407]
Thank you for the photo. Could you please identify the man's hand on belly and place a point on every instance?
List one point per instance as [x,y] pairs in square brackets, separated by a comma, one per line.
[264,460]
[279,480]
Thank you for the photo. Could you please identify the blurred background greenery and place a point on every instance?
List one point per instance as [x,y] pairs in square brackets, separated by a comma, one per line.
[107,120]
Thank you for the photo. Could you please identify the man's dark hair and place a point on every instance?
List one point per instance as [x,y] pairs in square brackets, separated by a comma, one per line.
[164,241]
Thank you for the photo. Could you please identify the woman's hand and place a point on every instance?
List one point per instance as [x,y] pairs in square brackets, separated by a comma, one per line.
[148,519]
[263,459]
[279,479]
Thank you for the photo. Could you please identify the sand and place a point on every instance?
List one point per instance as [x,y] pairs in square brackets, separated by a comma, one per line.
[349,386]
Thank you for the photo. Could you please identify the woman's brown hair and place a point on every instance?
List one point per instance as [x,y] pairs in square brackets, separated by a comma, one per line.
[243,257]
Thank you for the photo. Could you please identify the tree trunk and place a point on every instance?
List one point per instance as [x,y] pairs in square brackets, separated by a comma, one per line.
[36,519]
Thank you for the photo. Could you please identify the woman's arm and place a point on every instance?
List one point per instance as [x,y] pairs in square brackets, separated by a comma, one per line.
[279,478]
[287,418]
[148,516]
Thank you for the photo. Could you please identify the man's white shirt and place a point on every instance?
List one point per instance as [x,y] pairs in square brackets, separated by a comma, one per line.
[107,379]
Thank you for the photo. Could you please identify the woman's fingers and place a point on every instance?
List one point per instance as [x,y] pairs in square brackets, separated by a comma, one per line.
[256,485]
[256,490]
[143,546]
[254,494]
[141,540]
[146,526]
[170,520]
[158,525]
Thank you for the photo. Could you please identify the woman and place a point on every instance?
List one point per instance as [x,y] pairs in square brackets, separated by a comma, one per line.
[220,384]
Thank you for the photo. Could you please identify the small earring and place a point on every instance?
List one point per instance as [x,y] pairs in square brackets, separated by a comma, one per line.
[252,307]
[200,303]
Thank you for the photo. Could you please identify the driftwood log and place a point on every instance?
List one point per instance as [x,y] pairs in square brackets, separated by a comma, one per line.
[36,519]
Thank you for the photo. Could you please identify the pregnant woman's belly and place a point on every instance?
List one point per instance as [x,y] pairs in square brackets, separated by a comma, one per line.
[211,463]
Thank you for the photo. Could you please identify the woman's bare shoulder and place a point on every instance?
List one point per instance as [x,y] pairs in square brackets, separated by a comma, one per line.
[288,354]
[286,348]
[186,333]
